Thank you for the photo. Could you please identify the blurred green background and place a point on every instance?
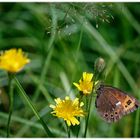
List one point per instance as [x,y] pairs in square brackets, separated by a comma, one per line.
[63,40]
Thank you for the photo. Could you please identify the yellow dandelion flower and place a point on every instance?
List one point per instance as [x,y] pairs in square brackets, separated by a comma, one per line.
[13,60]
[85,83]
[68,110]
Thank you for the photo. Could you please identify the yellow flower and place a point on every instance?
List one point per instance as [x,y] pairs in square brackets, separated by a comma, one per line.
[13,60]
[85,83]
[68,110]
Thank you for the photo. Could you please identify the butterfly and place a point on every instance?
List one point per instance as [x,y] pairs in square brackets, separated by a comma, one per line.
[112,103]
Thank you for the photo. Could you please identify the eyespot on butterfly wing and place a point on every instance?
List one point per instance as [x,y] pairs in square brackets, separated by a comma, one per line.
[112,103]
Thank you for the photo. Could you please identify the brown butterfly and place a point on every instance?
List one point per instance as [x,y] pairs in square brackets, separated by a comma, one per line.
[112,103]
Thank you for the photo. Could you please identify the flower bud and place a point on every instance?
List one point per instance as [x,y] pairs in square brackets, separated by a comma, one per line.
[99,65]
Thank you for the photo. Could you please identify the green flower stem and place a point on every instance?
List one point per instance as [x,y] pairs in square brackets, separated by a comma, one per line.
[68,130]
[136,130]
[27,99]
[87,118]
[11,87]
[80,98]
[78,127]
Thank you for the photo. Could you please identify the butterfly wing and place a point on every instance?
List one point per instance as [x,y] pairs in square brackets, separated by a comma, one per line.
[113,103]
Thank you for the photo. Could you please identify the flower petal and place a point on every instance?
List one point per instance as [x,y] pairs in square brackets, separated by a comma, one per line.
[68,109]
[13,60]
[77,85]
[52,106]
[58,100]
[88,77]
[68,123]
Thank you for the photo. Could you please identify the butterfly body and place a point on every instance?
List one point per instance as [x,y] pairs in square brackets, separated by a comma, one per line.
[112,103]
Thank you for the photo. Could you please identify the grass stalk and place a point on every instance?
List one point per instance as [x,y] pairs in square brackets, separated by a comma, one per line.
[49,55]
[68,131]
[28,101]
[78,127]
[136,127]
[11,88]
[87,119]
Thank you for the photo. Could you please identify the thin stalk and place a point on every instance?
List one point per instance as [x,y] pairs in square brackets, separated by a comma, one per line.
[48,54]
[78,127]
[68,130]
[79,43]
[87,119]
[137,118]
[42,76]
[136,128]
[11,87]
[29,102]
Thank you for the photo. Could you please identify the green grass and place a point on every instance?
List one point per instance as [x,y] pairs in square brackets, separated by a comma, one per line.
[62,40]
